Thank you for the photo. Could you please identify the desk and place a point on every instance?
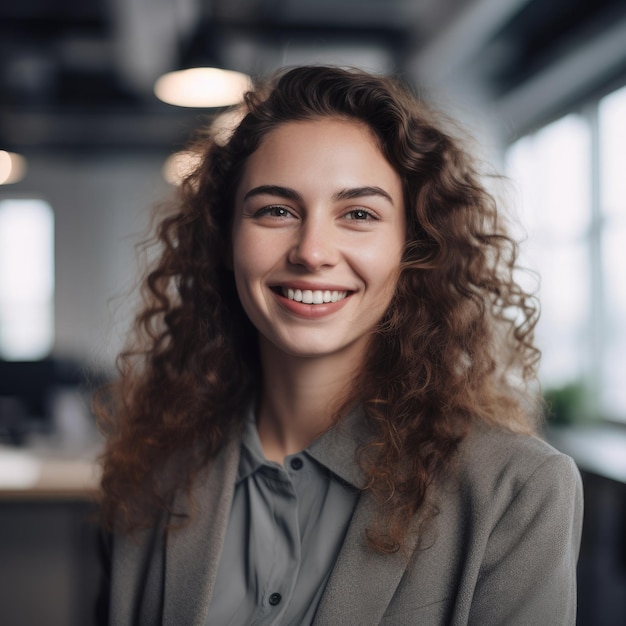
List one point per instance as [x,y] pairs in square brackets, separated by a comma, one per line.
[49,569]
[50,473]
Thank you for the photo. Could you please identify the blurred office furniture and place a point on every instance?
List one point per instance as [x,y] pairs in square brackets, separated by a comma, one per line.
[48,539]
[35,398]
[48,487]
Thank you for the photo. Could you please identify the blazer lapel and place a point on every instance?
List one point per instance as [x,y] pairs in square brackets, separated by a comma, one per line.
[192,553]
[362,582]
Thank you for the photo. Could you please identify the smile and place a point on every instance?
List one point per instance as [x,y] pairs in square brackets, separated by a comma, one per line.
[309,296]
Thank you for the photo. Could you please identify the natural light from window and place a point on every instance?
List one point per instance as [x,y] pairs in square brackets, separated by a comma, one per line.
[612,126]
[551,170]
[572,198]
[26,279]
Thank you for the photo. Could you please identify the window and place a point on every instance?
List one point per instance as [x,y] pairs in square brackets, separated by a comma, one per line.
[572,181]
[26,279]
[612,138]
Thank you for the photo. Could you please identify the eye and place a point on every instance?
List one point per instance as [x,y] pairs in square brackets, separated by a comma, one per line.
[360,215]
[275,210]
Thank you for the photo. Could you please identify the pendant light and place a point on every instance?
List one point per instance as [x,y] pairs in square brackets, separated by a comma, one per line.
[12,167]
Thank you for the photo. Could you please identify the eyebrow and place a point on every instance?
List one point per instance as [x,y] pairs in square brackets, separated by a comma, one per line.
[292,194]
[274,190]
[360,192]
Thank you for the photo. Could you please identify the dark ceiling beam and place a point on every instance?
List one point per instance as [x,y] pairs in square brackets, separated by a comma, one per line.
[33,132]
[585,66]
[147,41]
[461,40]
[348,14]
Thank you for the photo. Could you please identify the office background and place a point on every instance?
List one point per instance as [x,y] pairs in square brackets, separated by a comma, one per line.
[540,86]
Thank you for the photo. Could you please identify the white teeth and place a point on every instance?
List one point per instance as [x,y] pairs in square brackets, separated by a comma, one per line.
[309,296]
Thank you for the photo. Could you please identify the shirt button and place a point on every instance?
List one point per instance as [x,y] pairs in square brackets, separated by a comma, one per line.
[296,463]
[275,599]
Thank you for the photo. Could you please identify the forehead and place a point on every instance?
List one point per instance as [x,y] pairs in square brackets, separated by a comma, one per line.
[323,152]
[330,130]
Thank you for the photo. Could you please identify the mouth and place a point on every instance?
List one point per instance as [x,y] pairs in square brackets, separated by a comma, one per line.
[312,296]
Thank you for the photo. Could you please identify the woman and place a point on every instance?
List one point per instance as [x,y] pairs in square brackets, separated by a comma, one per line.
[323,417]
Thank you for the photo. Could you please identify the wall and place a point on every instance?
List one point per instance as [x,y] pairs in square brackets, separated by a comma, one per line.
[102,206]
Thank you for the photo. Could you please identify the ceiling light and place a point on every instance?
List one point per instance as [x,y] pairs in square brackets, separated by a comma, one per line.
[202,87]
[12,167]
[179,165]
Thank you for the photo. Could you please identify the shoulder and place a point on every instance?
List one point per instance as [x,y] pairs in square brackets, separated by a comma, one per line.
[494,450]
[517,503]
[495,466]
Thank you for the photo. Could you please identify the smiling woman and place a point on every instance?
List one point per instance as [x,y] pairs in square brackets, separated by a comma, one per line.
[322,416]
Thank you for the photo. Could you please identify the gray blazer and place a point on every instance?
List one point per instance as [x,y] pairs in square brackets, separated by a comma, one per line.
[502,549]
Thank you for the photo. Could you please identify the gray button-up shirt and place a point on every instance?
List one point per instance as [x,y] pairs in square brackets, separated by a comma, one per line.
[284,533]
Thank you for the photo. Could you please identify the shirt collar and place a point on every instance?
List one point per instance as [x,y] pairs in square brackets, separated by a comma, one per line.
[252,456]
[335,449]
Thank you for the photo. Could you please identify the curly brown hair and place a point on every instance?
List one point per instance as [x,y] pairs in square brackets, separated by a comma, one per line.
[454,348]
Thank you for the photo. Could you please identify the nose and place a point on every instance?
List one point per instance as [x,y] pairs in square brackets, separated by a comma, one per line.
[315,246]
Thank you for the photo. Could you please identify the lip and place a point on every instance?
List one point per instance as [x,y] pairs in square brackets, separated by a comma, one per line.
[299,284]
[310,311]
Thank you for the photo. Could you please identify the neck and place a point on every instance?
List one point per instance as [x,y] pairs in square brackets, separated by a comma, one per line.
[299,398]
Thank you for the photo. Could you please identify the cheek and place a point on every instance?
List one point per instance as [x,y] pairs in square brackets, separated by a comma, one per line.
[388,282]
[251,263]
[244,254]
[381,264]
[251,246]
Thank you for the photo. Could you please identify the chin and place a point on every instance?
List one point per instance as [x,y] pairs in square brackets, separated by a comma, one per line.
[320,347]
[308,351]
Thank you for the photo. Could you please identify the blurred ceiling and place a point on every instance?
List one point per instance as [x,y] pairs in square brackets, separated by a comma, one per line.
[77,75]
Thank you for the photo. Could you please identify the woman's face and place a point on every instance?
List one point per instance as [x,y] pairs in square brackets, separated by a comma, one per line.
[318,237]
